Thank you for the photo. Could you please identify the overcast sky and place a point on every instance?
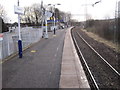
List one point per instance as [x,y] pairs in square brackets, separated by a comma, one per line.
[77,7]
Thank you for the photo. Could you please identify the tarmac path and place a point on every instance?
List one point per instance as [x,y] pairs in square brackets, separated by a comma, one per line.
[40,66]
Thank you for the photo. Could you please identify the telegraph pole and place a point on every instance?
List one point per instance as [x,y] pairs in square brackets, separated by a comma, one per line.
[86,9]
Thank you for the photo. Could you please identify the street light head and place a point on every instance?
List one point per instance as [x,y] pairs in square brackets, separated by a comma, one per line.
[58,4]
[49,4]
[54,4]
[93,5]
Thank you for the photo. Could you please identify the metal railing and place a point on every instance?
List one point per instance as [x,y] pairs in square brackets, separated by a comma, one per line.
[9,42]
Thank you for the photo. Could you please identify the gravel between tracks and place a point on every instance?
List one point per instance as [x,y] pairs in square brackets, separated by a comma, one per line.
[108,53]
[105,78]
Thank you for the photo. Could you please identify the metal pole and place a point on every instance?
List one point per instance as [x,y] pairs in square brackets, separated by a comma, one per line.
[117,25]
[86,14]
[46,30]
[54,15]
[19,24]
[19,27]
[42,18]
[54,19]
[19,41]
[42,23]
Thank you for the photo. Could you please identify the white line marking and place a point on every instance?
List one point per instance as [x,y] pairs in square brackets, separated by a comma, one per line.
[55,55]
[57,49]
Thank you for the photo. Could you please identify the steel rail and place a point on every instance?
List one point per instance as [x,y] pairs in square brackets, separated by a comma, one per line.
[99,55]
[95,83]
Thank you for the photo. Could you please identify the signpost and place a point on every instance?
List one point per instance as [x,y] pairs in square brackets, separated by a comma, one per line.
[54,14]
[18,10]
[47,14]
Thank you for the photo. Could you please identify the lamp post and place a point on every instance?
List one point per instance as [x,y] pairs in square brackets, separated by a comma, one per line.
[54,13]
[44,19]
[86,9]
[42,9]
[20,40]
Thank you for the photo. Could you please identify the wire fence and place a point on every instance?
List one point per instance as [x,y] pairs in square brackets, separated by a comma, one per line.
[9,41]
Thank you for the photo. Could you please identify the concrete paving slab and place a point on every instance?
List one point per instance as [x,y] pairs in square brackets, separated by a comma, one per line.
[68,58]
[83,82]
[68,69]
[72,73]
[67,61]
[69,81]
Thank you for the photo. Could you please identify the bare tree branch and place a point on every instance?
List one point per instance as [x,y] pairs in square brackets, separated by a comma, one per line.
[3,13]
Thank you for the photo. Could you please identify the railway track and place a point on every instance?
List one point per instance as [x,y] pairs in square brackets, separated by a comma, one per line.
[100,73]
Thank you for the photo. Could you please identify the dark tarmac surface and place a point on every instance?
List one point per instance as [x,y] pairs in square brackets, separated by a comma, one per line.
[40,66]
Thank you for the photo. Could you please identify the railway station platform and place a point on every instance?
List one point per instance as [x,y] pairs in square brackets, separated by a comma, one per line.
[72,73]
[50,63]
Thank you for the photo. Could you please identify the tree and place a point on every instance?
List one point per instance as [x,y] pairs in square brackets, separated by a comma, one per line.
[26,18]
[3,13]
[32,14]
[57,13]
[37,12]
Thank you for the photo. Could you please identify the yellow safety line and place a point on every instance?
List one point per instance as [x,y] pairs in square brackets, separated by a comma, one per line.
[14,54]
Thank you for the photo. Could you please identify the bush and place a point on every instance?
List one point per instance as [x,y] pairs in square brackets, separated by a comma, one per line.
[118,30]
[4,27]
[103,28]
